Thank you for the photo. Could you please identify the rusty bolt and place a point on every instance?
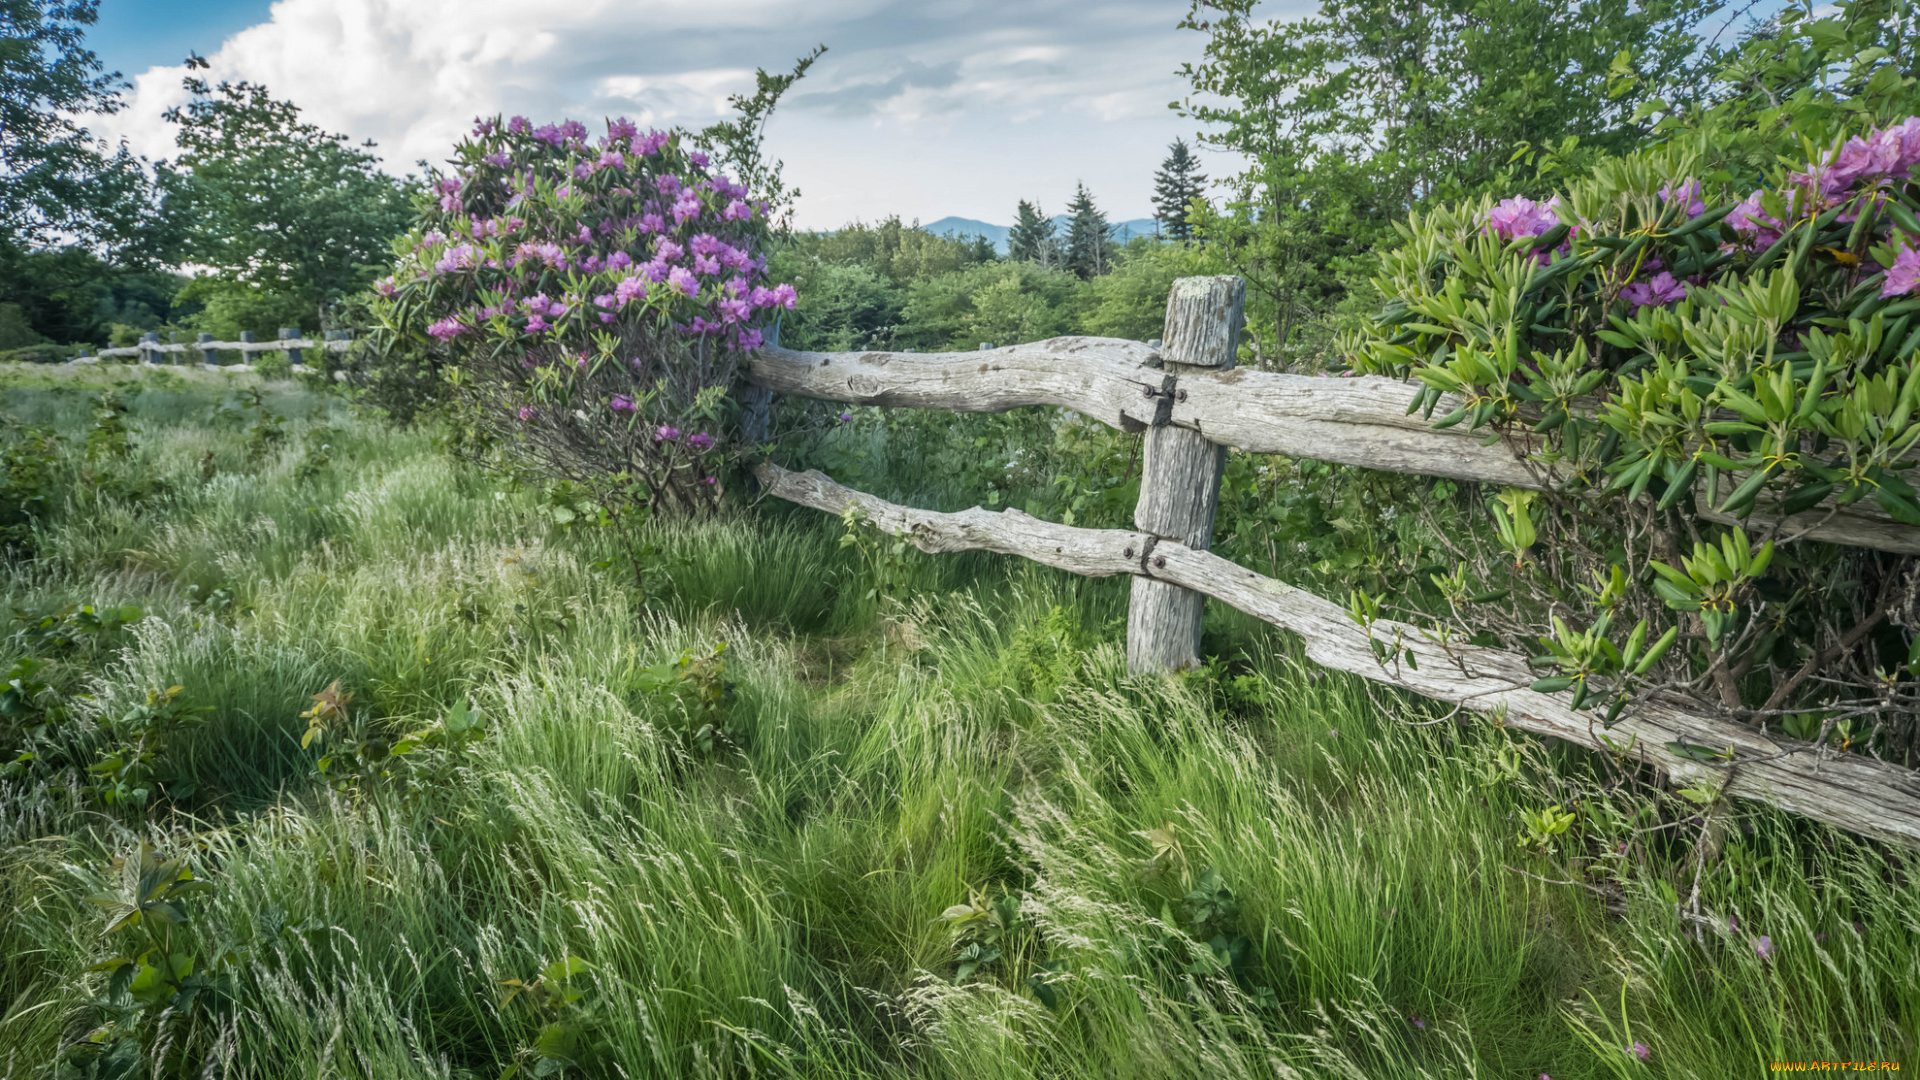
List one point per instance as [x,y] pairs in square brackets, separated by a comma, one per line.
[1128,553]
[1160,563]
[1147,391]
[1180,395]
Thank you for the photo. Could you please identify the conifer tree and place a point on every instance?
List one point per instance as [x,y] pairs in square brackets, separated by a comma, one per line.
[1029,239]
[1175,186]
[1089,237]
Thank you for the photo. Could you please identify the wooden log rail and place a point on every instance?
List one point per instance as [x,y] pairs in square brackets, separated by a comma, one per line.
[1359,421]
[1848,791]
[276,345]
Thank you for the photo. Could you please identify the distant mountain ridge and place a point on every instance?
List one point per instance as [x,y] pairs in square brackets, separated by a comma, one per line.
[960,226]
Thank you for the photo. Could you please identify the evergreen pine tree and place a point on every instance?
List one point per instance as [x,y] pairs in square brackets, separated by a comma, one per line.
[1028,240]
[1089,237]
[1175,186]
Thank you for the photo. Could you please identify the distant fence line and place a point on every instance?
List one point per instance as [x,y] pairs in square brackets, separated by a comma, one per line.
[151,348]
[1191,403]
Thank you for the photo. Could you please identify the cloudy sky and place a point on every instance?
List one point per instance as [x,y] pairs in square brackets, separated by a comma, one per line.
[923,108]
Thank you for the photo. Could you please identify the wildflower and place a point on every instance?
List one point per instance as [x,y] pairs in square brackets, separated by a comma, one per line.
[484,127]
[629,289]
[458,257]
[526,412]
[845,416]
[1689,190]
[1763,947]
[665,433]
[1903,277]
[1640,1050]
[1417,1022]
[1757,229]
[710,480]
[621,403]
[1659,292]
[700,440]
[1517,217]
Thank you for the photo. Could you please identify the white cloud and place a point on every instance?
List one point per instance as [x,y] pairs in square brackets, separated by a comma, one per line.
[918,109]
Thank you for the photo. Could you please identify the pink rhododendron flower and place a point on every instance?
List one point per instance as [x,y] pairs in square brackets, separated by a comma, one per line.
[710,480]
[527,413]
[536,324]
[1688,189]
[519,125]
[737,210]
[457,258]
[665,433]
[666,250]
[621,403]
[629,289]
[1514,218]
[748,338]
[1659,292]
[446,329]
[700,160]
[700,440]
[687,208]
[706,265]
[784,296]
[682,281]
[1903,277]
[1757,229]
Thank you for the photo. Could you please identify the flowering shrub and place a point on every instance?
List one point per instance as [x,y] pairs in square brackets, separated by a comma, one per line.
[588,303]
[1701,372]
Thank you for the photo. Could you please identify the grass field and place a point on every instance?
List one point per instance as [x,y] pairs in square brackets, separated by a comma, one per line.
[1256,870]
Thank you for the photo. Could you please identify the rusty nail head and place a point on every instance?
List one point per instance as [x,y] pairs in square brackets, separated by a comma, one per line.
[1128,553]
[1160,563]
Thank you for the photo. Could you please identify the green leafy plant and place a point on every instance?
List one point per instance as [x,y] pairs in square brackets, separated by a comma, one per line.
[134,768]
[160,977]
[699,687]
[566,1039]
[1540,829]
[883,558]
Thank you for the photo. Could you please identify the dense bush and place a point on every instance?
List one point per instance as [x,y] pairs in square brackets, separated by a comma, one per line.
[587,305]
[1671,353]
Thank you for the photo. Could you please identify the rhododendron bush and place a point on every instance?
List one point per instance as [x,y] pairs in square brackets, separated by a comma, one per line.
[587,302]
[1701,369]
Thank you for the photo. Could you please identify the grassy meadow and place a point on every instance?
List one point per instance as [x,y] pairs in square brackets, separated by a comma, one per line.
[741,810]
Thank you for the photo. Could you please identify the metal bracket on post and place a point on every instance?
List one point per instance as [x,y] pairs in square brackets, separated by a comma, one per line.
[1180,473]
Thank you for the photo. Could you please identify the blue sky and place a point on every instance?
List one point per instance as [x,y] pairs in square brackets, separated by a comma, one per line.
[920,108]
[134,35]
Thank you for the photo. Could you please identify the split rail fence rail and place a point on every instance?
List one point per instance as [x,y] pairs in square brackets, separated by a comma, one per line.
[1191,403]
[151,349]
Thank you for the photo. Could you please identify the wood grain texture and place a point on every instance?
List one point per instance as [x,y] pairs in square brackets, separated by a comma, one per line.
[1359,421]
[1180,473]
[1847,791]
[1103,378]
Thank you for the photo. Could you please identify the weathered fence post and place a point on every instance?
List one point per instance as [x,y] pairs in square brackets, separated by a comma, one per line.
[207,356]
[246,355]
[148,354]
[290,333]
[756,400]
[1180,474]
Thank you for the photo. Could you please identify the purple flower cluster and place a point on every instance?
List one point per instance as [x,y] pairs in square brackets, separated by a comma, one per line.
[1519,216]
[1854,178]
[660,237]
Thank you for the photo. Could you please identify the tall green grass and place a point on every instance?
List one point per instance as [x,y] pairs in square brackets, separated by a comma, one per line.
[771,907]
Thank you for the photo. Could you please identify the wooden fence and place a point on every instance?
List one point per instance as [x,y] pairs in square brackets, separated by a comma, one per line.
[1191,403]
[151,349]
